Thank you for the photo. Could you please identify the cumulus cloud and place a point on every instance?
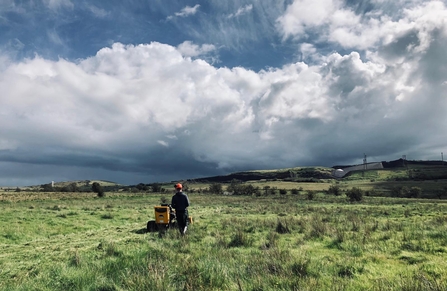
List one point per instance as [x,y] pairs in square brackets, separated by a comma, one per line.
[139,108]
[306,14]
[189,49]
[335,22]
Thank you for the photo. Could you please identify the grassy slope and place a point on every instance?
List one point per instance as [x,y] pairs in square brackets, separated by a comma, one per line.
[429,178]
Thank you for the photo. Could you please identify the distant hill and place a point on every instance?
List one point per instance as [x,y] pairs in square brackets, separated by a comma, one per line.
[86,183]
[417,170]
[80,185]
[393,170]
[292,174]
[400,163]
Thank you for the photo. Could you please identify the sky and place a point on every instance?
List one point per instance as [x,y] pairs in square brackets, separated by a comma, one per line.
[142,91]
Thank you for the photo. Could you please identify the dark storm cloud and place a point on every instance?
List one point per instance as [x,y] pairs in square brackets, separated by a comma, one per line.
[399,47]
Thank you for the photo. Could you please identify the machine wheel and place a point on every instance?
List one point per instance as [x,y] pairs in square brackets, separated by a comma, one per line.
[152,226]
[173,223]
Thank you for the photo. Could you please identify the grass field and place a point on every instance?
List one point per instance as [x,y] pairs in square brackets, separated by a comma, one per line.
[76,241]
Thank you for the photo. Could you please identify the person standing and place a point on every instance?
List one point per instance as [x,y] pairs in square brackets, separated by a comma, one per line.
[180,203]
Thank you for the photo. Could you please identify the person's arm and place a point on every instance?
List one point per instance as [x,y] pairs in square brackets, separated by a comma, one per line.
[173,204]
[187,201]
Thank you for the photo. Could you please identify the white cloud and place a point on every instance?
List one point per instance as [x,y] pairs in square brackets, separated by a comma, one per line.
[339,24]
[241,11]
[54,37]
[58,4]
[98,12]
[163,143]
[189,49]
[130,98]
[186,11]
[309,52]
[10,6]
[303,14]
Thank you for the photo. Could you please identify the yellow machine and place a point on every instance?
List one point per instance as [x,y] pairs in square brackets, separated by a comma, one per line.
[162,214]
[164,218]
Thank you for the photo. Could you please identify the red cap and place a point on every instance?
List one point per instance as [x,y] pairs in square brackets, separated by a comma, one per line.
[178,186]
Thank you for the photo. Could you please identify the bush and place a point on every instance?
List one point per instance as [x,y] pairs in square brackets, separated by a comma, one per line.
[372,192]
[97,188]
[142,187]
[335,190]
[311,194]
[269,190]
[156,187]
[240,189]
[72,187]
[47,187]
[235,187]
[266,190]
[295,191]
[282,191]
[215,188]
[355,194]
[405,192]
[414,192]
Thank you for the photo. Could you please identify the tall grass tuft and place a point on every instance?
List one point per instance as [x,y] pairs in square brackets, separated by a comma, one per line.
[318,228]
[107,216]
[301,267]
[281,227]
[339,237]
[271,241]
[240,239]
[109,248]
[348,270]
[75,260]
[421,281]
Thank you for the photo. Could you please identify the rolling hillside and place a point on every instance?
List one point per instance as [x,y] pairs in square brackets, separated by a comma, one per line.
[399,169]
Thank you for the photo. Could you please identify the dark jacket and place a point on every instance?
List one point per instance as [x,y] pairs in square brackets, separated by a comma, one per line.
[180,201]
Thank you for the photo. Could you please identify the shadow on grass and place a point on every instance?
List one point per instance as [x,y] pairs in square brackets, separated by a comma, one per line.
[140,231]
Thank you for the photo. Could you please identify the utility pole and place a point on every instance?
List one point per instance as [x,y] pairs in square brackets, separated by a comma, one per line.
[364,164]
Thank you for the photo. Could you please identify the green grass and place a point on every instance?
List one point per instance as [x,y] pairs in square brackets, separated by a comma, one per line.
[282,242]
